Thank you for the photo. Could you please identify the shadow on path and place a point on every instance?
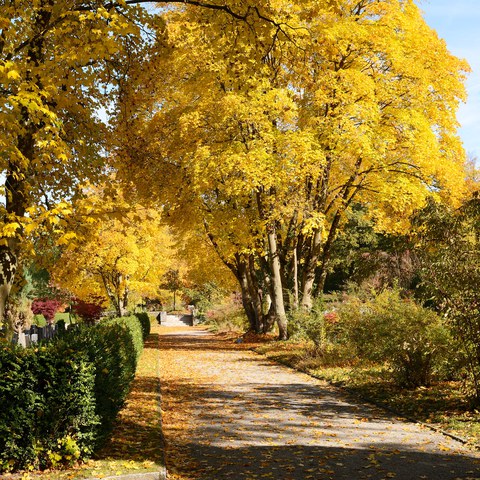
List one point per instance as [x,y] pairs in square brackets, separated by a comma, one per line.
[249,419]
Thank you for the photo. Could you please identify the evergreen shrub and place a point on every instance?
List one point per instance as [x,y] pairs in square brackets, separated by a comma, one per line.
[144,319]
[47,398]
[59,400]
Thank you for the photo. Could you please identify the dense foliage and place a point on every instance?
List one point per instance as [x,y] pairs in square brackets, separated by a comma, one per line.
[388,328]
[277,127]
[144,320]
[449,250]
[59,400]
[87,311]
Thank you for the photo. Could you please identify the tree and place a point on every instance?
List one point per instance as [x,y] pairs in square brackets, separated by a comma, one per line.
[88,311]
[57,68]
[119,251]
[269,132]
[173,283]
[47,307]
[60,64]
[449,249]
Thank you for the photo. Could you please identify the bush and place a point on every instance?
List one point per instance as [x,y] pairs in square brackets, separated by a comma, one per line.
[48,404]
[144,319]
[229,317]
[59,400]
[47,307]
[89,312]
[113,347]
[387,328]
[309,325]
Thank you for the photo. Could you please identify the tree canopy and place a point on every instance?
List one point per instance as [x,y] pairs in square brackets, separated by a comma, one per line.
[268,131]
[257,124]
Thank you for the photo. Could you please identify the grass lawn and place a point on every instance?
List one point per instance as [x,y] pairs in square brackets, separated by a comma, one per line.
[443,405]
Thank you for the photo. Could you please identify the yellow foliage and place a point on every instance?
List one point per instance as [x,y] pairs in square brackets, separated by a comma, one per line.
[112,248]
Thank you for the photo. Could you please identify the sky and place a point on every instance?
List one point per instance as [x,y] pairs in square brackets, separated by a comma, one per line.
[457,22]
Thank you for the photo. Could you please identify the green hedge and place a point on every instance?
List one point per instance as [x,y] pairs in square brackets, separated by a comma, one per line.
[48,407]
[145,322]
[59,400]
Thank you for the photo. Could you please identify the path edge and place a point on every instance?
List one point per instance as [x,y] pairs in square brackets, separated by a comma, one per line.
[161,474]
[364,398]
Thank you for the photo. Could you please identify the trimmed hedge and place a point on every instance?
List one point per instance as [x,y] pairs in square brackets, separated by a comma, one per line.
[59,400]
[48,407]
[145,322]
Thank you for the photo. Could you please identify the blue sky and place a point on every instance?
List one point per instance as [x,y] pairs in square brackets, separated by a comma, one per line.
[458,23]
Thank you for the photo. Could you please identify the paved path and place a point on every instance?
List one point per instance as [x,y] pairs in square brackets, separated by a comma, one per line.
[232,414]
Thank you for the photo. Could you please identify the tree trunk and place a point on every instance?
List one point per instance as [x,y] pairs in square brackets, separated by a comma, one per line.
[255,295]
[295,279]
[277,287]
[250,295]
[8,267]
[309,270]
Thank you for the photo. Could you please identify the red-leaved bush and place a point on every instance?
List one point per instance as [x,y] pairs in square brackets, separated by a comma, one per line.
[88,312]
[47,307]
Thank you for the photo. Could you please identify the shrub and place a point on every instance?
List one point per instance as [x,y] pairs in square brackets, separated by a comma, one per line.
[47,396]
[59,400]
[144,319]
[87,311]
[310,325]
[19,399]
[228,317]
[387,328]
[113,347]
[46,307]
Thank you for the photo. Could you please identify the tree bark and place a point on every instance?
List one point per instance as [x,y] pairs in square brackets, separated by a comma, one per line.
[310,269]
[277,287]
[295,279]
[251,300]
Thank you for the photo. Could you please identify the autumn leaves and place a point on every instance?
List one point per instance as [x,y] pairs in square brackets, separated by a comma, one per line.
[253,127]
[269,131]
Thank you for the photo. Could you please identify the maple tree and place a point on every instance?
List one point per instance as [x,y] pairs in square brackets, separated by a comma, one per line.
[172,282]
[111,249]
[46,307]
[268,131]
[88,311]
[57,69]
[61,63]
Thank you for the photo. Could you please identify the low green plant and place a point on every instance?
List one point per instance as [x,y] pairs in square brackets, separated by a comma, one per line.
[39,320]
[388,328]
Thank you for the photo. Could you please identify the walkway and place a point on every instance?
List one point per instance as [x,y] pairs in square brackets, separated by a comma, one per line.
[231,414]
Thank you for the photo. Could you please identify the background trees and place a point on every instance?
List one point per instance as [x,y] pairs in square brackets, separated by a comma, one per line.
[57,69]
[268,131]
[112,249]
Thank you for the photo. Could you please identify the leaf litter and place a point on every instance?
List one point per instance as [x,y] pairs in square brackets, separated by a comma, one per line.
[231,414]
